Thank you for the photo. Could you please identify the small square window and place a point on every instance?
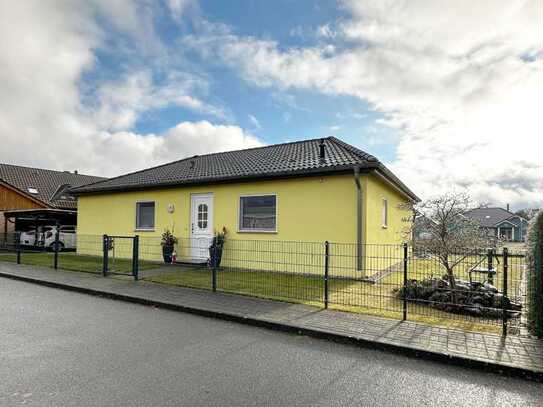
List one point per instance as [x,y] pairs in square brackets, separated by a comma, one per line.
[258,213]
[32,190]
[145,215]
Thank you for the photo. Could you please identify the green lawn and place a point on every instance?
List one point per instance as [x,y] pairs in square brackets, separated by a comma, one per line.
[347,295]
[73,261]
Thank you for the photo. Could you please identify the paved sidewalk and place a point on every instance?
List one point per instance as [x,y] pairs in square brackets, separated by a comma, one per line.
[514,354]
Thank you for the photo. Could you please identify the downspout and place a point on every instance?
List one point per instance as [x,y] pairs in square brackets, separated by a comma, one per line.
[359,214]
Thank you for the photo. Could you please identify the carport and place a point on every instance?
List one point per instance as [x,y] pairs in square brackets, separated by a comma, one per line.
[33,219]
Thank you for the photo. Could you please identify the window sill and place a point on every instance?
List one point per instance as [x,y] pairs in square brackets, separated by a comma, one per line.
[144,230]
[257,231]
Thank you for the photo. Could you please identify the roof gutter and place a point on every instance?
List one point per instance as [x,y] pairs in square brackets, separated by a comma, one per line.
[359,212]
[395,183]
[340,169]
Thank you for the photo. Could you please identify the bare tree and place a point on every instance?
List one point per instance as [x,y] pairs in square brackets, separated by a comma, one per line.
[448,234]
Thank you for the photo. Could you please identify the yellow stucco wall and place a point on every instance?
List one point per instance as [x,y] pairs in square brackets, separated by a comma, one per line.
[383,244]
[310,209]
[376,189]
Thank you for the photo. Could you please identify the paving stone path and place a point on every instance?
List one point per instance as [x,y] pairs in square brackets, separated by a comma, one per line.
[515,353]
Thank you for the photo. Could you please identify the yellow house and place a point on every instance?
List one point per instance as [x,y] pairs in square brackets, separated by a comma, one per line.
[308,191]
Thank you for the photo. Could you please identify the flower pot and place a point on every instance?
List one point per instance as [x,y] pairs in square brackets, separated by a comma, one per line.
[167,253]
[215,256]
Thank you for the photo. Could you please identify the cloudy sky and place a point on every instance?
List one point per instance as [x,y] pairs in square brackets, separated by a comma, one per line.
[448,94]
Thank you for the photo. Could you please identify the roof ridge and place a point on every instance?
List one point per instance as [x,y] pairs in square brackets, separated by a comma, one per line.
[291,159]
[50,170]
[266,146]
[494,207]
[362,154]
[205,155]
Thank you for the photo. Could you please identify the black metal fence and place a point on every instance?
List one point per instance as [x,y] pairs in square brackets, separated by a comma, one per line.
[120,255]
[106,255]
[479,290]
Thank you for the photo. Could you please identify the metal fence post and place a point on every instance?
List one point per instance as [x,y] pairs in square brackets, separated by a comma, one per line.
[490,255]
[18,246]
[215,250]
[504,290]
[404,282]
[105,251]
[56,247]
[326,271]
[135,257]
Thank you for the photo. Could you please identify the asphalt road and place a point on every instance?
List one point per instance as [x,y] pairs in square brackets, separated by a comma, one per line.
[59,348]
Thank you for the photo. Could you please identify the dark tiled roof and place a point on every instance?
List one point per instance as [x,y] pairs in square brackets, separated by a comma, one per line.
[280,160]
[48,184]
[489,217]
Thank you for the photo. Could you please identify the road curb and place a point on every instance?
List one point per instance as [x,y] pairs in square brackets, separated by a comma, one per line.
[457,360]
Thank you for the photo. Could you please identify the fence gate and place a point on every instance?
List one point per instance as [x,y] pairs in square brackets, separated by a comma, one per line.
[120,256]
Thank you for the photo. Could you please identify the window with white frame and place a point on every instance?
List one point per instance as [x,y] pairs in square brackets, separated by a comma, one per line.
[258,213]
[145,215]
[384,214]
[202,216]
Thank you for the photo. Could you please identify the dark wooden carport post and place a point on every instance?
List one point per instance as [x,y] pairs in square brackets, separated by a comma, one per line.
[18,246]
[56,245]
[36,231]
[5,243]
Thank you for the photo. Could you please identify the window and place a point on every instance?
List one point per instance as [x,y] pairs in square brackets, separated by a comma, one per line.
[145,215]
[202,216]
[384,214]
[32,190]
[258,213]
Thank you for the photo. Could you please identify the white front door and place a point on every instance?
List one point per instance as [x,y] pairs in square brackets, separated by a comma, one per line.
[201,232]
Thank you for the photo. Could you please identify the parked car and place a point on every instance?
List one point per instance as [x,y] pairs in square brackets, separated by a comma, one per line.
[67,238]
[29,238]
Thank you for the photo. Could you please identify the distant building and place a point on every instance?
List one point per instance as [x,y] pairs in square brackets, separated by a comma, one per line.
[501,223]
[422,228]
[32,196]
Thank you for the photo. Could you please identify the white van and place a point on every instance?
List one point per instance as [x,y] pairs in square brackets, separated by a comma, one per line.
[67,238]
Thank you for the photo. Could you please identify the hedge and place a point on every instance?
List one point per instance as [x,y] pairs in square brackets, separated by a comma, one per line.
[535,275]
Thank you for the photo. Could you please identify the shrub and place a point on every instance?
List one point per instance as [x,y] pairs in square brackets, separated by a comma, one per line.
[535,275]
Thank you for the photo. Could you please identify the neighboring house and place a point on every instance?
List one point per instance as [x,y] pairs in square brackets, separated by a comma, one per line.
[422,228]
[501,223]
[31,196]
[310,191]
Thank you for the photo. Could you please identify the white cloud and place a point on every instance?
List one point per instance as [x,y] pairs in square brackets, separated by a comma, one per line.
[177,7]
[204,137]
[335,128]
[120,104]
[254,121]
[462,83]
[326,31]
[48,118]
[130,151]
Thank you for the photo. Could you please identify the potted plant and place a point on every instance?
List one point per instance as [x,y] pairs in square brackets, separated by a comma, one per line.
[215,250]
[168,242]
